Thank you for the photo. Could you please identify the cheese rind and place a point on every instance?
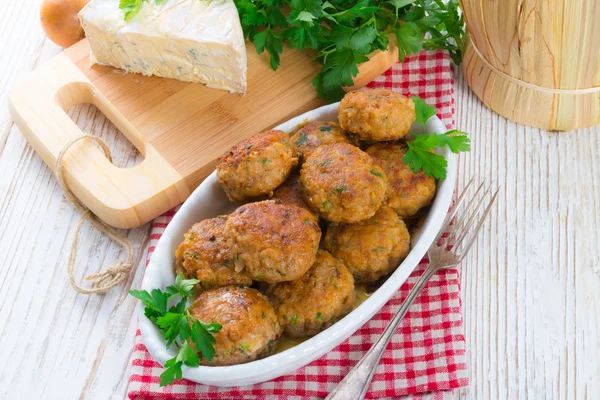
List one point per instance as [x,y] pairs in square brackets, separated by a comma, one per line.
[188,40]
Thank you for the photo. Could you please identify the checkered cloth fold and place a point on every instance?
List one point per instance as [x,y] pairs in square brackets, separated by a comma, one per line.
[426,357]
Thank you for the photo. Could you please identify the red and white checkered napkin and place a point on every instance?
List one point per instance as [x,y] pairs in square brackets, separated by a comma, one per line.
[427,353]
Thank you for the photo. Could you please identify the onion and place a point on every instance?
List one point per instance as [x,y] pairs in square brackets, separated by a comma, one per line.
[60,21]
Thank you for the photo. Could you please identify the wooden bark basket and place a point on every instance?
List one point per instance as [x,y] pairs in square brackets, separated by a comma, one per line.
[535,62]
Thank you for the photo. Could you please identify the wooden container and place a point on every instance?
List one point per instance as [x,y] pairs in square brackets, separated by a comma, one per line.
[536,62]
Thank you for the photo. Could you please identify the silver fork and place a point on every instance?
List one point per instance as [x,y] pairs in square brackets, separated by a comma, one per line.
[448,250]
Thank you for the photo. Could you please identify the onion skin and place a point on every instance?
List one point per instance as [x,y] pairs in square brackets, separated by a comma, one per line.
[60,22]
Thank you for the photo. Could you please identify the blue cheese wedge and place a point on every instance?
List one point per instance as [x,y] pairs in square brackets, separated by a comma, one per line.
[188,40]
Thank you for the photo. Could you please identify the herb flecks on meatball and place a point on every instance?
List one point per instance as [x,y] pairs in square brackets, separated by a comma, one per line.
[342,183]
[256,166]
[372,248]
[205,255]
[377,114]
[315,134]
[272,242]
[250,329]
[317,300]
[291,193]
[407,191]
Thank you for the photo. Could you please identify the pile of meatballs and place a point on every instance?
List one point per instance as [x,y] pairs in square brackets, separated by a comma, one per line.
[324,210]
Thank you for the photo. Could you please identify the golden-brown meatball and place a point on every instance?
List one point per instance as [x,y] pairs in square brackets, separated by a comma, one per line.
[272,242]
[342,183]
[314,302]
[290,192]
[315,134]
[250,329]
[205,255]
[407,191]
[377,114]
[256,166]
[372,248]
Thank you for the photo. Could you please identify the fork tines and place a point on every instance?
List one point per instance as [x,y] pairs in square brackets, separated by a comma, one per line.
[466,223]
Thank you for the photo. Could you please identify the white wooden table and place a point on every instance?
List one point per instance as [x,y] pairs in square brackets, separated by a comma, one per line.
[531,286]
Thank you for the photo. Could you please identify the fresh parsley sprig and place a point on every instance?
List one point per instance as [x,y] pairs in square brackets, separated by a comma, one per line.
[420,155]
[344,32]
[178,326]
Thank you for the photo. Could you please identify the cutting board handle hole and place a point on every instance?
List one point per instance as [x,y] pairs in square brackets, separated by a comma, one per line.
[80,103]
[91,120]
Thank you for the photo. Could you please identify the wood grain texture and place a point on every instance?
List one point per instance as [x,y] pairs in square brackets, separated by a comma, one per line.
[531,286]
[549,44]
[179,127]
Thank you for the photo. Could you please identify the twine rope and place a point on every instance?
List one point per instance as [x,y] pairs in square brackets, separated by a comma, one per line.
[531,85]
[119,270]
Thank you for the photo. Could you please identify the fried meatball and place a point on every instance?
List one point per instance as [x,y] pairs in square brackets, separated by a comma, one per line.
[290,192]
[377,114]
[314,302]
[256,166]
[407,191]
[315,134]
[250,329]
[342,183]
[271,241]
[372,248]
[205,255]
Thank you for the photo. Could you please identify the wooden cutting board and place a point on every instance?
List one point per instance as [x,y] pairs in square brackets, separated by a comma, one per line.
[180,128]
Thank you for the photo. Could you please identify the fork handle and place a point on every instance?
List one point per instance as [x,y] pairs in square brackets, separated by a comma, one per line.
[356,383]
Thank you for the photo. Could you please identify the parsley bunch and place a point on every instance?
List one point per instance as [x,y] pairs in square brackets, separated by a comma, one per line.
[178,326]
[344,32]
[420,155]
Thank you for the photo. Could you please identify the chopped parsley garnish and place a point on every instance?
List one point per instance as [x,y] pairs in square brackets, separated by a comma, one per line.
[301,140]
[376,173]
[319,315]
[326,206]
[244,346]
[341,188]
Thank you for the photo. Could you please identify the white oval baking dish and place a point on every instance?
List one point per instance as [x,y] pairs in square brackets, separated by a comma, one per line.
[208,201]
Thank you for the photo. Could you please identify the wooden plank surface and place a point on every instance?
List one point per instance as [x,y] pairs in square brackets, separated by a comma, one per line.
[531,286]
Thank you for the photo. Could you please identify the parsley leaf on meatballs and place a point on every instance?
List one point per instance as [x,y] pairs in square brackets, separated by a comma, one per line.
[177,326]
[182,287]
[421,156]
[423,111]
